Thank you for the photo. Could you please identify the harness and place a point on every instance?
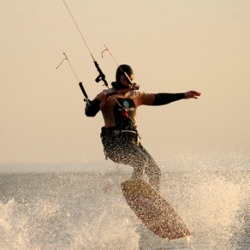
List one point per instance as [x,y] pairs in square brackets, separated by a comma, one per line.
[110,132]
[115,132]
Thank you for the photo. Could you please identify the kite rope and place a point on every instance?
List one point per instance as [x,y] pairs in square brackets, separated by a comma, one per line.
[45,17]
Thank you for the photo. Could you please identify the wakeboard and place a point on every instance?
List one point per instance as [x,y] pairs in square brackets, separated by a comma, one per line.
[153,210]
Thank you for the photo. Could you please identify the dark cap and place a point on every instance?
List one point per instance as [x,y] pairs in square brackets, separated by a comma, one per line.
[123,68]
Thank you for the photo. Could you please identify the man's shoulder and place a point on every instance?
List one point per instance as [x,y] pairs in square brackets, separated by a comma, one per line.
[110,90]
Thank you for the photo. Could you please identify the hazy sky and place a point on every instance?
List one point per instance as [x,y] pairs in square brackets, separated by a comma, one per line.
[173,46]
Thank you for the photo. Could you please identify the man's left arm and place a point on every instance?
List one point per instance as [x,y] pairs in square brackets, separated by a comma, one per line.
[165,98]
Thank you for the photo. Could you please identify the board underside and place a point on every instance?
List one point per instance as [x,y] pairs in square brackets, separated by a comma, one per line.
[153,210]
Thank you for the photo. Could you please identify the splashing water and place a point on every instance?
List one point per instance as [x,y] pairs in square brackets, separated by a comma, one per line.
[88,211]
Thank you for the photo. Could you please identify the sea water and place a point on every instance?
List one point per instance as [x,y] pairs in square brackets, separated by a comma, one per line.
[85,209]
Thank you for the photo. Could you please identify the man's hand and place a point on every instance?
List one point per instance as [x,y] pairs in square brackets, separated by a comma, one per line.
[192,94]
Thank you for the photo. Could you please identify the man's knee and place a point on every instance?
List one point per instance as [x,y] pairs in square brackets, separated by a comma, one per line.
[153,169]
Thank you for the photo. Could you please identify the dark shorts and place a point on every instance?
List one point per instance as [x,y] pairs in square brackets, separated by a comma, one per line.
[124,147]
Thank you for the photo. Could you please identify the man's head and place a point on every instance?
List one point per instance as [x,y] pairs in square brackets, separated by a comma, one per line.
[120,78]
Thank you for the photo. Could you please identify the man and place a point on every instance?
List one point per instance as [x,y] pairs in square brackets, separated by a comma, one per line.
[119,135]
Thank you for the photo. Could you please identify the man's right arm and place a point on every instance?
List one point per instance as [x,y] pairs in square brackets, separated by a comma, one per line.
[92,108]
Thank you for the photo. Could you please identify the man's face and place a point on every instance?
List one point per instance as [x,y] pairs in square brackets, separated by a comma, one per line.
[124,80]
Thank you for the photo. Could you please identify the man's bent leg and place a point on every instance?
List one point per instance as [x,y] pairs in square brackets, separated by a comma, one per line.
[136,156]
[152,171]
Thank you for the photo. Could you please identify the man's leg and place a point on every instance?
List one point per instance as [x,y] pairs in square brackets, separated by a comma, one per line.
[141,161]
[152,171]
[136,156]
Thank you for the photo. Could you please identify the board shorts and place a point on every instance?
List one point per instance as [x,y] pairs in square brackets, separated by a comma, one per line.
[124,147]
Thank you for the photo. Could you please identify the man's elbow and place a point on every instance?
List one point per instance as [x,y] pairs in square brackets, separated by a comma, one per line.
[89,113]
[92,109]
